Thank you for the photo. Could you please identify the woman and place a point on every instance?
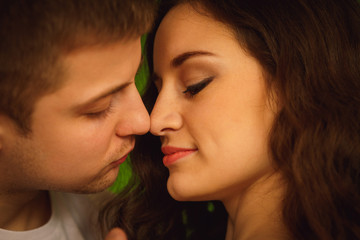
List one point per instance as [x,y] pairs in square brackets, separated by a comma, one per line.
[257,107]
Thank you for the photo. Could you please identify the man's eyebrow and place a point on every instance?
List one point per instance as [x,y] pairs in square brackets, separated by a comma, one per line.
[117,88]
[102,95]
[180,59]
[111,91]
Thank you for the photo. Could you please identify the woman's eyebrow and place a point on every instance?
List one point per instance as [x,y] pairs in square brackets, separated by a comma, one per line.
[180,59]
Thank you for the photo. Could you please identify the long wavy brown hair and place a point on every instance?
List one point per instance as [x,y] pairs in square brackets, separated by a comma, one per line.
[310,53]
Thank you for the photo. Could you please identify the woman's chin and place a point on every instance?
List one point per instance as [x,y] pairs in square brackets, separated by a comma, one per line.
[182,194]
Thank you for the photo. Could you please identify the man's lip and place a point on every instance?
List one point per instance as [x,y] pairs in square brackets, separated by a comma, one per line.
[122,159]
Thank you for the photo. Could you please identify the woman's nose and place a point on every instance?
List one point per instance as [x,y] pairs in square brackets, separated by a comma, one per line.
[165,116]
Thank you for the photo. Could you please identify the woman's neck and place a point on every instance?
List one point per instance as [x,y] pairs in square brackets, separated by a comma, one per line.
[255,213]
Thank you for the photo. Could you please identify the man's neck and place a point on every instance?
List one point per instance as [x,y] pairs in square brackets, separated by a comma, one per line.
[24,211]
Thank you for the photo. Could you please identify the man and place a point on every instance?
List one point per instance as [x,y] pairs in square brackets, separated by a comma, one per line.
[69,109]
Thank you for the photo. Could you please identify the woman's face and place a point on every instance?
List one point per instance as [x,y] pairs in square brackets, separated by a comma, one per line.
[212,112]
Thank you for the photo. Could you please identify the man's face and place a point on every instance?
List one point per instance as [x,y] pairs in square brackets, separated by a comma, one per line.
[83,131]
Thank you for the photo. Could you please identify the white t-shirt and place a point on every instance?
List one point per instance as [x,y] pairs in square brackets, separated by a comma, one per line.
[73,218]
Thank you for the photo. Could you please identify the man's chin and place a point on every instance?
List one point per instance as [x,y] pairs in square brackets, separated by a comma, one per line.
[97,186]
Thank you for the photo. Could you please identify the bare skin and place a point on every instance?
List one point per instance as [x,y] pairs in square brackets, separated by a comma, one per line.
[20,211]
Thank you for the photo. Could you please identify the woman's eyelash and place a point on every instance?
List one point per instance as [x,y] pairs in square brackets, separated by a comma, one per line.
[194,89]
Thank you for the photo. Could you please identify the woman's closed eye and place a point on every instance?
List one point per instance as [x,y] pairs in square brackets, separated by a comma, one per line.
[194,89]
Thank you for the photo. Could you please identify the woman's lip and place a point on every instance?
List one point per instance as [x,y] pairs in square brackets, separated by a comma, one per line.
[172,154]
[167,150]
